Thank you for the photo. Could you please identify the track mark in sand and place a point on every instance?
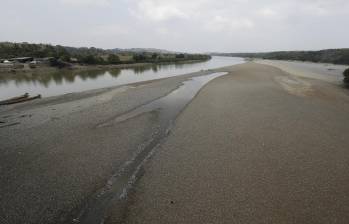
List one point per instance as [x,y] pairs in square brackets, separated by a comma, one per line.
[294,86]
[9,125]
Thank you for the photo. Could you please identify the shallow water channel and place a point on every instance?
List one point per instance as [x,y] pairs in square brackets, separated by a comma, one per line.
[168,108]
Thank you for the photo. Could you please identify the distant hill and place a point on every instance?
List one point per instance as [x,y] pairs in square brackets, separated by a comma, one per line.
[334,56]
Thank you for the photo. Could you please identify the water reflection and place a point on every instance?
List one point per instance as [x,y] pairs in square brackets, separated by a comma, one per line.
[69,76]
[57,77]
[53,83]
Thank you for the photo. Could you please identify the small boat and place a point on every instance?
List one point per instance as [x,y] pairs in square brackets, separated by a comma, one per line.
[26,95]
[23,98]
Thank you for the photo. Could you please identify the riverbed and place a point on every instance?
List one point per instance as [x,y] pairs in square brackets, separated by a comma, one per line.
[145,150]
[88,147]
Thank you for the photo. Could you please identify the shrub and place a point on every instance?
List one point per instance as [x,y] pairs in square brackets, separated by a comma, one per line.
[113,59]
[65,58]
[154,56]
[54,62]
[180,56]
[90,60]
[346,76]
[139,58]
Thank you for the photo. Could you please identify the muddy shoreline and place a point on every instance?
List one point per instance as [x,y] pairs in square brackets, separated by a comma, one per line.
[64,135]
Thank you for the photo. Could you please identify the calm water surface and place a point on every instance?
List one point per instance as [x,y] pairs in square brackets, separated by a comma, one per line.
[62,82]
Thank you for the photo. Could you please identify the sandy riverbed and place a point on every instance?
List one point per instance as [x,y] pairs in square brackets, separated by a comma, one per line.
[255,146]
[57,152]
[325,72]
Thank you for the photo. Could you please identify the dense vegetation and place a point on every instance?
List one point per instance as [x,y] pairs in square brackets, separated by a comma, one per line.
[92,56]
[335,56]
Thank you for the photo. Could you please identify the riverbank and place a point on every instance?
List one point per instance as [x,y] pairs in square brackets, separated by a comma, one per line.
[25,68]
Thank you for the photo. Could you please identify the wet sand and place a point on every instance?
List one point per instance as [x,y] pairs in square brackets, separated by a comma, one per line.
[325,72]
[255,146]
[59,153]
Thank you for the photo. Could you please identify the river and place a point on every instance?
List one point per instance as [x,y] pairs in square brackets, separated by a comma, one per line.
[62,82]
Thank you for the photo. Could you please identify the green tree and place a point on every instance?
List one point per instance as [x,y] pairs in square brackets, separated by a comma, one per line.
[154,56]
[62,53]
[139,57]
[113,59]
[90,59]
[180,56]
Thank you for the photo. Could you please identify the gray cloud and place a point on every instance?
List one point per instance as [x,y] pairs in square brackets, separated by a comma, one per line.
[196,25]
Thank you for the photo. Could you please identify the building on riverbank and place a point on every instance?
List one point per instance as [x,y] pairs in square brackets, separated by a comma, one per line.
[22,59]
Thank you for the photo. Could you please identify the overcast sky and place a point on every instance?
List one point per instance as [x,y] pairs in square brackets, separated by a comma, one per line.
[182,25]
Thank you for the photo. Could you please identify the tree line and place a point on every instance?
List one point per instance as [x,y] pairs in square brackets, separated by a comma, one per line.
[334,56]
[90,56]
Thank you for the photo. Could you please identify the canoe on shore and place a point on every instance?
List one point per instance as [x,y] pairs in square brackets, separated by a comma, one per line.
[23,98]
[26,95]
